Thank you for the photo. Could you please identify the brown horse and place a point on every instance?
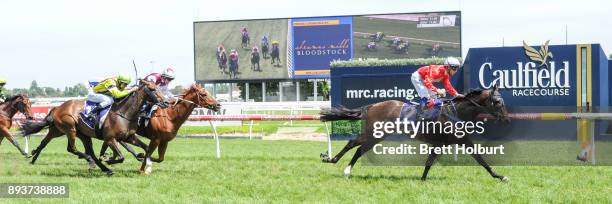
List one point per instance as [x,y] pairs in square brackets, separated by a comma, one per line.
[8,109]
[118,125]
[467,109]
[165,123]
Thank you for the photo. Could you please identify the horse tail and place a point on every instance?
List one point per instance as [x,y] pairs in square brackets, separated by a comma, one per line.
[31,127]
[343,113]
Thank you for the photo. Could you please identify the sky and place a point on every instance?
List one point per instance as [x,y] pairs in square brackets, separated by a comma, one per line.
[62,42]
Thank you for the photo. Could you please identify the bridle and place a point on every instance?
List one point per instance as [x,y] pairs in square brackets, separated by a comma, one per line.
[19,107]
[199,98]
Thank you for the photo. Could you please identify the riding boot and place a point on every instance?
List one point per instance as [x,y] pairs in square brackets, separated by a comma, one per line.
[94,111]
[422,108]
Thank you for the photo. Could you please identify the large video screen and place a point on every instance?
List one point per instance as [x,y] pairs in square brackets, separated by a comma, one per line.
[303,48]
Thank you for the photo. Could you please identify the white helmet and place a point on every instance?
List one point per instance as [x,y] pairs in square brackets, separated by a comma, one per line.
[452,62]
[168,73]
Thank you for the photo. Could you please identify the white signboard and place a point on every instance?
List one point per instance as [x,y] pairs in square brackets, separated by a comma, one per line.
[228,108]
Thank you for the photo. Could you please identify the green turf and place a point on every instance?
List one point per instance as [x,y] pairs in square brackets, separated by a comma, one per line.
[290,171]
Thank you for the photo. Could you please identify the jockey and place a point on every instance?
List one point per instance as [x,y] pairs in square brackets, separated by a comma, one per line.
[244,31]
[220,49]
[2,94]
[105,92]
[424,77]
[233,55]
[396,41]
[163,81]
[255,50]
[264,41]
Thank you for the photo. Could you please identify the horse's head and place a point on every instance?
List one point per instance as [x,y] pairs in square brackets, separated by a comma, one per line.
[22,104]
[202,97]
[151,93]
[491,102]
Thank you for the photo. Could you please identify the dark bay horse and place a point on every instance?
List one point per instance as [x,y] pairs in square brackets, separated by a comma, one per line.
[275,54]
[255,61]
[222,60]
[119,124]
[265,48]
[233,68]
[245,40]
[8,109]
[467,109]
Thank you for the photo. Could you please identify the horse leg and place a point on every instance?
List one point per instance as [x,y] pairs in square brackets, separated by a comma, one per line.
[103,150]
[116,152]
[360,151]
[89,150]
[72,149]
[161,152]
[430,160]
[484,164]
[53,133]
[6,134]
[140,156]
[350,145]
[147,164]
[129,149]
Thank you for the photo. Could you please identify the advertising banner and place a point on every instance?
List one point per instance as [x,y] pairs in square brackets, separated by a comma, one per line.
[317,42]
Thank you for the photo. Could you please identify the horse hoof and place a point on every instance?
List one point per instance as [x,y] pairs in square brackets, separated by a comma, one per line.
[109,173]
[505,179]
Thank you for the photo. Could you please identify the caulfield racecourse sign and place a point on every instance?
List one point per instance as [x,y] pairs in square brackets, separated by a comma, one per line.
[546,78]
[526,75]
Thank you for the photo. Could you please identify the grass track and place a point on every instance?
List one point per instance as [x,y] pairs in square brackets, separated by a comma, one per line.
[290,171]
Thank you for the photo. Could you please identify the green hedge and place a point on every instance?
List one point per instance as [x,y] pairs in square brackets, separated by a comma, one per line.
[387,62]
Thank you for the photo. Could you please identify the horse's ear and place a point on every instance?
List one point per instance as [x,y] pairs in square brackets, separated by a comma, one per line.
[495,88]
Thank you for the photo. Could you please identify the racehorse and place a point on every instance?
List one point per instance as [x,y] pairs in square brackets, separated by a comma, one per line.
[165,123]
[377,37]
[255,61]
[465,109]
[222,60]
[402,48]
[233,68]
[435,49]
[118,125]
[275,55]
[264,50]
[371,46]
[245,40]
[8,109]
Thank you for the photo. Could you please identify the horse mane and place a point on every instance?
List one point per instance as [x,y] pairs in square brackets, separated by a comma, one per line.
[15,97]
[471,94]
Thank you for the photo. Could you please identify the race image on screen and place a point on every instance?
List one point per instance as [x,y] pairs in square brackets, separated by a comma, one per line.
[239,50]
[396,36]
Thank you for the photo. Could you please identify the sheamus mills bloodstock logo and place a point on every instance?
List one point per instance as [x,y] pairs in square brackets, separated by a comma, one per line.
[541,76]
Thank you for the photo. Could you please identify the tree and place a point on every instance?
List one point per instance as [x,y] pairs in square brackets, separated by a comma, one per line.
[36,91]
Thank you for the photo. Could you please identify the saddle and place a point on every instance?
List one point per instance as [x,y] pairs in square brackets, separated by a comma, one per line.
[96,122]
[146,112]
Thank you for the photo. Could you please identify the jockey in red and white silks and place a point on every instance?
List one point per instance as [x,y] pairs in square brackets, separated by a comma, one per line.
[424,77]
